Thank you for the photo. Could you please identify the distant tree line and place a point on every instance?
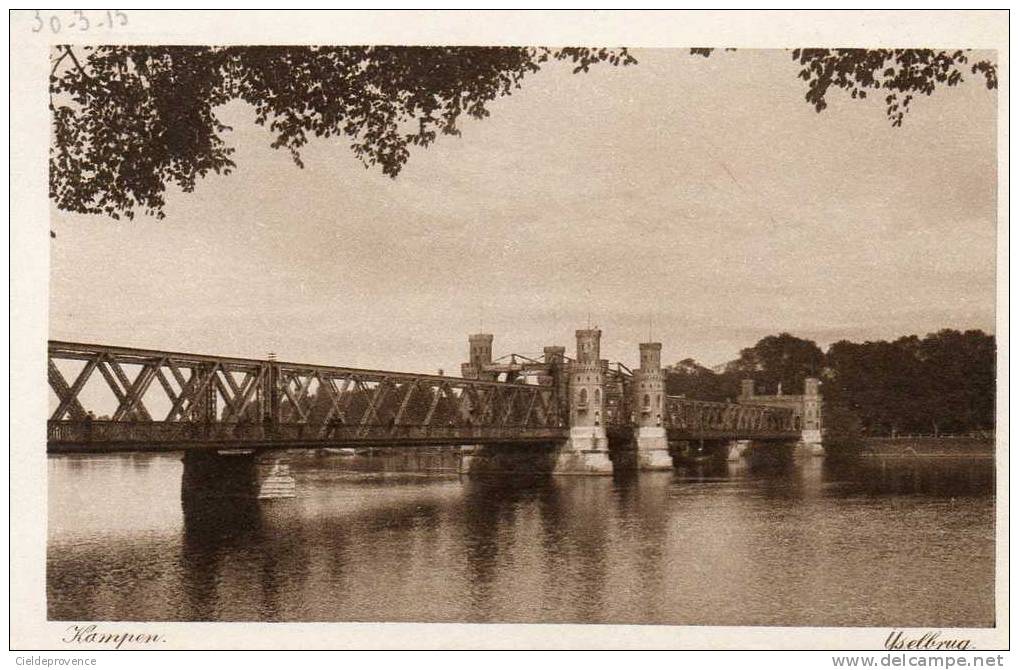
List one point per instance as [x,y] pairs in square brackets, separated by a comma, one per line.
[943,383]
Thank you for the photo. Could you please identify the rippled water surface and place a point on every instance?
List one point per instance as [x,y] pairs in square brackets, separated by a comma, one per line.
[881,542]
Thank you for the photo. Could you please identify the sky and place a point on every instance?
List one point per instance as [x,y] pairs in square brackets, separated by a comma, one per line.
[701,202]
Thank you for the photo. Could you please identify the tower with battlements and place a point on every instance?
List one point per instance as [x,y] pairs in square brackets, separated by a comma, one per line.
[587,450]
[479,355]
[648,402]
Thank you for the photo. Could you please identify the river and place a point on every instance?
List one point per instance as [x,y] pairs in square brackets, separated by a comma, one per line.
[796,542]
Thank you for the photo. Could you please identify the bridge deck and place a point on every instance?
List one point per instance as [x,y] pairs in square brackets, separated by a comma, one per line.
[109,437]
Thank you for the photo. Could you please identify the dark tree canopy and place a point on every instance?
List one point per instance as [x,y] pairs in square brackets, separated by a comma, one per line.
[776,359]
[130,120]
[900,74]
[944,382]
[690,379]
[779,359]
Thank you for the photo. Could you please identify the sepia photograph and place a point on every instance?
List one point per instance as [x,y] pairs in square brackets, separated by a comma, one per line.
[485,332]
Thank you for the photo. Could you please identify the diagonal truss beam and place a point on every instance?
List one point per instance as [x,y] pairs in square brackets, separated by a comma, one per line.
[68,395]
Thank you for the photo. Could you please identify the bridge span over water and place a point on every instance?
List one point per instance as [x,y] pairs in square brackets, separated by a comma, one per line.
[578,411]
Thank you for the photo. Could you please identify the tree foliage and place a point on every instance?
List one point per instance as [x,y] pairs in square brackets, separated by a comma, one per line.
[900,74]
[688,378]
[776,360]
[942,383]
[129,120]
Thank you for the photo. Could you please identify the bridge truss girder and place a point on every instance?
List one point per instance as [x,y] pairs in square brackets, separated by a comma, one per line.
[232,399]
[707,419]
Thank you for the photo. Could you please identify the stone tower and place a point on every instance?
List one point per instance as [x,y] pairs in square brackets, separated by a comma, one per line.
[480,355]
[554,355]
[587,381]
[559,377]
[811,434]
[648,403]
[586,452]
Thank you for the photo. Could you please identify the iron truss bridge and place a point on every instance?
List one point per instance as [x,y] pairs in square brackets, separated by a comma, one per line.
[115,398]
[688,419]
[110,398]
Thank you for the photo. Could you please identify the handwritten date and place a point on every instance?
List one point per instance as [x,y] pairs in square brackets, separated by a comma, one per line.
[78,20]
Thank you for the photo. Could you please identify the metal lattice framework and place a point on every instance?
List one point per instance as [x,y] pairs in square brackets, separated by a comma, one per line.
[167,400]
[216,400]
[686,418]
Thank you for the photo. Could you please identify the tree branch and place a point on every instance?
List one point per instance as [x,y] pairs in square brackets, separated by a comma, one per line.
[77,64]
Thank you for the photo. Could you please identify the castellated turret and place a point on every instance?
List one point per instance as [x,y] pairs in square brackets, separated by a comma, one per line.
[811,411]
[587,381]
[649,386]
[480,355]
[559,371]
[554,355]
[587,450]
[648,403]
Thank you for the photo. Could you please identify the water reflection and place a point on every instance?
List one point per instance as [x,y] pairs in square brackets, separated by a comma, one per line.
[775,541]
[946,477]
[219,534]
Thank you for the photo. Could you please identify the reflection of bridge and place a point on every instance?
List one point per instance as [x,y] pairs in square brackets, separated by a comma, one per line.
[160,400]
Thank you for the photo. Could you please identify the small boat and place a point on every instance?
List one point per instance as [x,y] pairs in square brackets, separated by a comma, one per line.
[342,451]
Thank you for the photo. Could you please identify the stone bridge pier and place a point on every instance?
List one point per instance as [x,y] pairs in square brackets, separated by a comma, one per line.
[737,450]
[237,473]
